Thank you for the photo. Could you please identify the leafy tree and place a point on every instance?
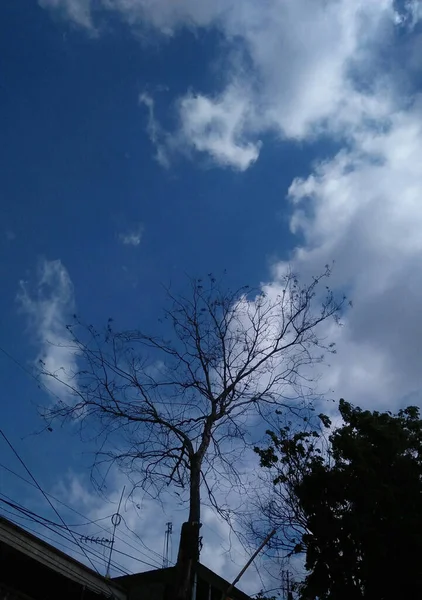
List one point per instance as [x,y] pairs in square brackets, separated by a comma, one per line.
[174,409]
[355,508]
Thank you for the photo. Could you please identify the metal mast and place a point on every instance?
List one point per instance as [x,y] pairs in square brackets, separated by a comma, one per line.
[166,555]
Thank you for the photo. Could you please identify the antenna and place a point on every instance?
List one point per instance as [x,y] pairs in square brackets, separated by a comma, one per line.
[116,519]
[167,534]
[286,585]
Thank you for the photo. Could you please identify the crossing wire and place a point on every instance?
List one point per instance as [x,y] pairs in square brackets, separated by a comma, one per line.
[50,503]
[95,522]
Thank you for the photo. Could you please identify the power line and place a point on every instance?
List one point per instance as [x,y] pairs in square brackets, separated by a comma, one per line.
[60,534]
[97,556]
[46,497]
[95,522]
[214,532]
[33,515]
[134,558]
[43,386]
[89,522]
[30,515]
[141,540]
[276,589]
[39,383]
[26,510]
[19,364]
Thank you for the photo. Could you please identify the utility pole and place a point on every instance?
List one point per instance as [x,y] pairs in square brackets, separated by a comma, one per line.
[167,534]
[250,561]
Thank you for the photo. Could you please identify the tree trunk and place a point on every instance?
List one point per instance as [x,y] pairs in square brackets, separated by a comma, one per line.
[195,496]
[189,538]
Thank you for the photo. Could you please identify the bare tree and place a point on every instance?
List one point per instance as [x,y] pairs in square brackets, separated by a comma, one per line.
[168,407]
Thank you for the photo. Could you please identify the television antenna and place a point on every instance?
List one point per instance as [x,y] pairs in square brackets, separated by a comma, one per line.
[116,519]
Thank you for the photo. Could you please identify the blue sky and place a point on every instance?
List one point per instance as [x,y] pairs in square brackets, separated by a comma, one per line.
[145,140]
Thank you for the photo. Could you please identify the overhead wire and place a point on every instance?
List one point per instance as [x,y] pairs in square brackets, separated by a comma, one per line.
[113,563]
[29,512]
[94,522]
[159,556]
[49,501]
[98,557]
[262,591]
[43,386]
[89,521]
[19,364]
[39,383]
[30,515]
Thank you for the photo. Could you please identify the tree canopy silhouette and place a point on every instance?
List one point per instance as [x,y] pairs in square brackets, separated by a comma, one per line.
[353,508]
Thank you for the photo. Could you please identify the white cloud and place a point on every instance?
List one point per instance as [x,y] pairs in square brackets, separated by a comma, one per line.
[363,209]
[163,15]
[314,66]
[308,60]
[309,66]
[214,126]
[409,14]
[155,132]
[76,11]
[168,15]
[77,493]
[48,306]
[217,126]
[132,237]
[146,520]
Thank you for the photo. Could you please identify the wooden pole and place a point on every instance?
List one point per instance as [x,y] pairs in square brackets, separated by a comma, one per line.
[250,561]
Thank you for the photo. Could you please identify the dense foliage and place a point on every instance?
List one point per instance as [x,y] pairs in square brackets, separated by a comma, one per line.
[357,503]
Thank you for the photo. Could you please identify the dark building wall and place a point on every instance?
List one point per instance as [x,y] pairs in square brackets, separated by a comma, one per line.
[31,569]
[148,591]
[25,578]
[157,585]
